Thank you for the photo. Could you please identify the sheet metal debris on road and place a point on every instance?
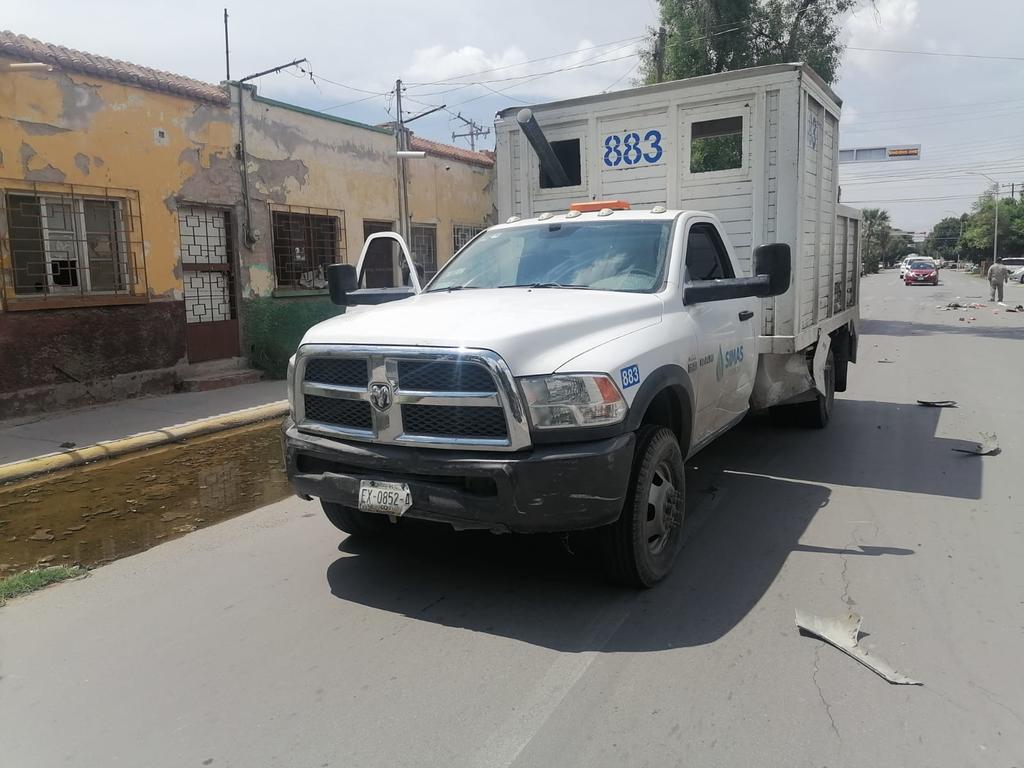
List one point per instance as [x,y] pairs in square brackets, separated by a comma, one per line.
[843,632]
[989,446]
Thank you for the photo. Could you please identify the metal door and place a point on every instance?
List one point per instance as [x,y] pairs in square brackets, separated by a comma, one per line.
[211,318]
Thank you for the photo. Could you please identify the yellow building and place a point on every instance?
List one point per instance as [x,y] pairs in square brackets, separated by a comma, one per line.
[135,243]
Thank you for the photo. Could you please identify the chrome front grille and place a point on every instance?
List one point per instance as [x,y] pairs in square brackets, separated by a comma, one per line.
[444,398]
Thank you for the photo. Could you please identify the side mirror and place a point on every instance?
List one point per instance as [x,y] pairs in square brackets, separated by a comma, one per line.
[774,260]
[341,281]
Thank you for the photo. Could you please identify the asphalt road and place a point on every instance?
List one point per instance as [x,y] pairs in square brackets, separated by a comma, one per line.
[270,640]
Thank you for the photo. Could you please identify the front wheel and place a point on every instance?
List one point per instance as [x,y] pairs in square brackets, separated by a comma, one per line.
[354,522]
[640,547]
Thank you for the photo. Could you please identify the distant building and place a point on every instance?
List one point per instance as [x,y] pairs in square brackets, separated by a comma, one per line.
[129,252]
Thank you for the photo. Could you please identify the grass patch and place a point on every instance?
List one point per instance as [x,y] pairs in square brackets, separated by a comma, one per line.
[29,581]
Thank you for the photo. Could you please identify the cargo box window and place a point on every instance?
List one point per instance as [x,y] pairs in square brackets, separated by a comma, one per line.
[568,153]
[716,145]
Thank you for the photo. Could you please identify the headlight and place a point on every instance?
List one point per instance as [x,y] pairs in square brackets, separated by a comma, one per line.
[291,384]
[587,400]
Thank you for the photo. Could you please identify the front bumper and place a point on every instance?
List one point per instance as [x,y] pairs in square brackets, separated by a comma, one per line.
[550,488]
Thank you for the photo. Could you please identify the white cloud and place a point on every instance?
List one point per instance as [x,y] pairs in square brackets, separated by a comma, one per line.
[587,69]
[879,26]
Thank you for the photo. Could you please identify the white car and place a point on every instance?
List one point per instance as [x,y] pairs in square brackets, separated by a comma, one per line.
[1016,266]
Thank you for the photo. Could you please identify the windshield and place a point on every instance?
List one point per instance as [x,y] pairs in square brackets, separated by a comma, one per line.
[598,255]
[922,265]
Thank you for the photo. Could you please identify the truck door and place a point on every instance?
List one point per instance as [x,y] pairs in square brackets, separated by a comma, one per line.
[723,330]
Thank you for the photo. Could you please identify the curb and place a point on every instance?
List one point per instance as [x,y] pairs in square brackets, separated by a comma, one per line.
[18,470]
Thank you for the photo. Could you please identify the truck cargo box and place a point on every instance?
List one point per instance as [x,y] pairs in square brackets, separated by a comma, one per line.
[758,148]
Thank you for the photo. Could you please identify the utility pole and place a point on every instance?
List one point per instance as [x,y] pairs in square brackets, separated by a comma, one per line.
[995,230]
[227,50]
[659,56]
[475,129]
[250,237]
[403,185]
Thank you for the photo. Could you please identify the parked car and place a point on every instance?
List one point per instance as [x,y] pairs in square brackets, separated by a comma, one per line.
[1016,266]
[922,272]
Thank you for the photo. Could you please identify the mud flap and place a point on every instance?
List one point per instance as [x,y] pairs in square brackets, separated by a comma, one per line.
[818,365]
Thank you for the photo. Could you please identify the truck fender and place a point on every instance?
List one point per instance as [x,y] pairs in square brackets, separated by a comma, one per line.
[667,377]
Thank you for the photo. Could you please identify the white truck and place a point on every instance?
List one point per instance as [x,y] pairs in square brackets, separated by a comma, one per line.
[558,371]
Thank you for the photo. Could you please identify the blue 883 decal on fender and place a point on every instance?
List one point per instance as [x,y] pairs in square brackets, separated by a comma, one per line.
[630,376]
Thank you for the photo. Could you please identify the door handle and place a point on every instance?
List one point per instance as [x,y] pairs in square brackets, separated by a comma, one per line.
[746,314]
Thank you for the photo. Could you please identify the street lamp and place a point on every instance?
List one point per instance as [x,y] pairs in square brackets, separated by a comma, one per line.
[995,228]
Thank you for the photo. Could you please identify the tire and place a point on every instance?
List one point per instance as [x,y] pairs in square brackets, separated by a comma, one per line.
[639,549]
[355,523]
[842,371]
[817,413]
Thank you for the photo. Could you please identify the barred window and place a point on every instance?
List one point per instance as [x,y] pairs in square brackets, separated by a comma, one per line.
[305,241]
[70,244]
[462,234]
[424,249]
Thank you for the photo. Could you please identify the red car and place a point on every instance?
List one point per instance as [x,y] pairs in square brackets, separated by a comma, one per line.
[921,273]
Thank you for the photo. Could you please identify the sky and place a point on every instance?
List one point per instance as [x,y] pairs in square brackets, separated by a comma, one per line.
[967,113]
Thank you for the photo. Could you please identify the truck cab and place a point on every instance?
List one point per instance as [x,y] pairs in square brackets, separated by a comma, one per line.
[552,377]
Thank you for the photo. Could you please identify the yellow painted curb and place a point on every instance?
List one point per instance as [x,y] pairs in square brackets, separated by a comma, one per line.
[107,449]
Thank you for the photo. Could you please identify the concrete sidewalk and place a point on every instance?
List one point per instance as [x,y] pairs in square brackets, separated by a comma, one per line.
[22,439]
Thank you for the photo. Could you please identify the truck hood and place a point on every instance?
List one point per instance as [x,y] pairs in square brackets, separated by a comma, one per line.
[534,330]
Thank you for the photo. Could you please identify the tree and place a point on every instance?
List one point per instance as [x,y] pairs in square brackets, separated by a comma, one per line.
[708,36]
[943,242]
[875,234]
[897,248]
[978,230]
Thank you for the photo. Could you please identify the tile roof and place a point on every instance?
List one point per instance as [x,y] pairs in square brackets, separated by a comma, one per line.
[485,159]
[23,47]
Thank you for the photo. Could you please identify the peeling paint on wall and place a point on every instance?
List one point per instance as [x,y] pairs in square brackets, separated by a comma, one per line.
[46,173]
[40,129]
[82,162]
[80,102]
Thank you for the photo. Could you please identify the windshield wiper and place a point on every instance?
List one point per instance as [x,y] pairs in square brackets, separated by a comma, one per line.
[546,285]
[451,288]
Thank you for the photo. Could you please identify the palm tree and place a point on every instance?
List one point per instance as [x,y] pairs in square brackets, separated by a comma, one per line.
[876,226]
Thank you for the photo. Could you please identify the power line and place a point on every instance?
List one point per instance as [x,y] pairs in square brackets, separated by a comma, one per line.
[621,77]
[948,54]
[529,61]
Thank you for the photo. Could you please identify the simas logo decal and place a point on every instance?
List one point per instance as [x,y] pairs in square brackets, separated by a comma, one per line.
[630,376]
[728,359]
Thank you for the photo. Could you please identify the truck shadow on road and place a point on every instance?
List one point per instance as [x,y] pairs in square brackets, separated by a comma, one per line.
[869,444]
[548,592]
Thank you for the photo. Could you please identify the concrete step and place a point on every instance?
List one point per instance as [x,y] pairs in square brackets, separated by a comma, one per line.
[219,380]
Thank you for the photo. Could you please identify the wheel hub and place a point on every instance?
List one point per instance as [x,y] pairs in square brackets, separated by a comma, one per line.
[662,510]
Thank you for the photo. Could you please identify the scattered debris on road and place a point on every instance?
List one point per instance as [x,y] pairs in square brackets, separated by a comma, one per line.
[886,360]
[938,403]
[989,446]
[843,632]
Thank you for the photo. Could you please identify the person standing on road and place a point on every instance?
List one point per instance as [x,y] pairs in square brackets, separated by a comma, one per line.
[997,276]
